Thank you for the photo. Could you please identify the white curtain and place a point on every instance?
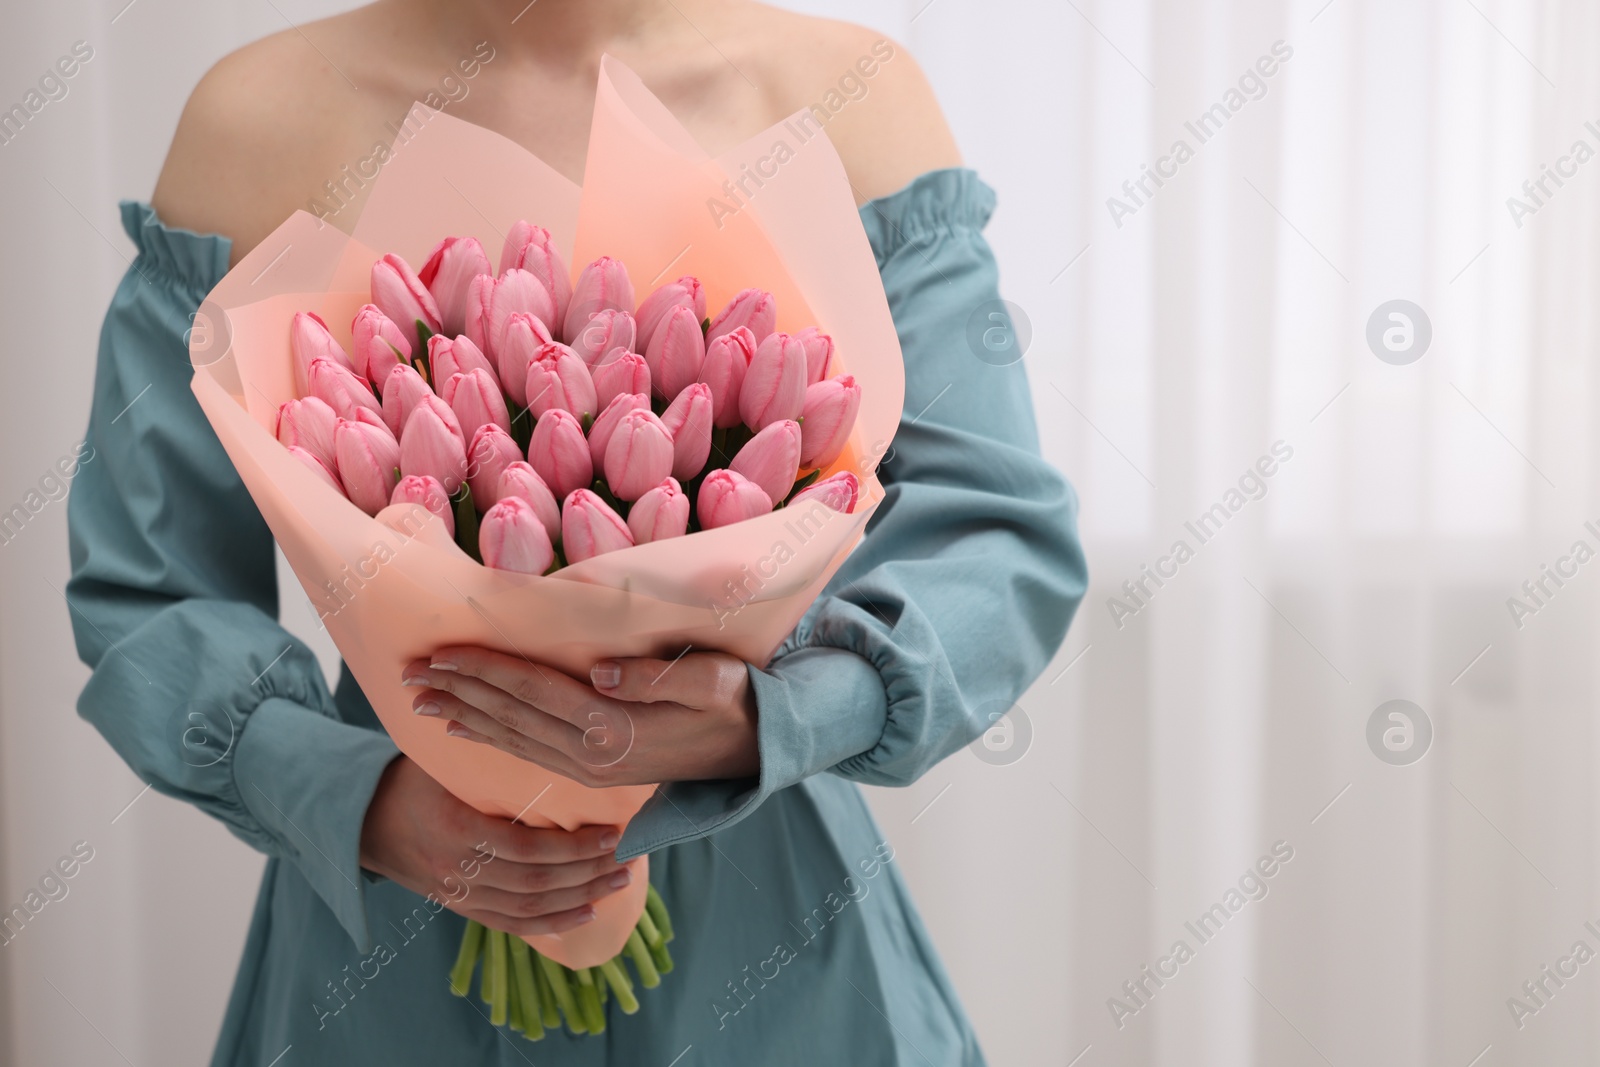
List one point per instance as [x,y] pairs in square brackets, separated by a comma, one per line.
[1178,739]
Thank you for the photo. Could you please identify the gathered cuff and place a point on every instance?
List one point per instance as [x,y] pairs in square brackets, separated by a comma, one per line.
[195,260]
[937,202]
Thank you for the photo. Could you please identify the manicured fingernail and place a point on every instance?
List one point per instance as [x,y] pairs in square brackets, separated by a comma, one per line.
[606,675]
[609,839]
[429,708]
[620,879]
[455,729]
[444,665]
[586,917]
[414,680]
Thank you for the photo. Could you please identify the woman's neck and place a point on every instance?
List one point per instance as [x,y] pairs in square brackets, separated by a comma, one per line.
[551,32]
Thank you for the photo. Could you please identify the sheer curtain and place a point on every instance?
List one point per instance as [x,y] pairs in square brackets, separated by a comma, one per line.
[1206,762]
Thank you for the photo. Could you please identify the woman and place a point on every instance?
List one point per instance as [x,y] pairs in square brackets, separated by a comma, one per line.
[799,944]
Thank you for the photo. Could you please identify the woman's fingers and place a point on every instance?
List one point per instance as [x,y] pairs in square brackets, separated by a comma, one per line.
[524,681]
[538,739]
[558,923]
[574,890]
[695,679]
[532,844]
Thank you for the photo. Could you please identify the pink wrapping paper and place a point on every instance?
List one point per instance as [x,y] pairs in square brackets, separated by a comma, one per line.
[389,595]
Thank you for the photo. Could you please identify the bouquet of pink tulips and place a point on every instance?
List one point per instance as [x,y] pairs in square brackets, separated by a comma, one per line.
[535,452]
[546,422]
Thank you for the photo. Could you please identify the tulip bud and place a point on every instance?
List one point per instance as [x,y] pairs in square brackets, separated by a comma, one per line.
[490,452]
[439,408]
[521,480]
[604,426]
[367,460]
[590,528]
[619,373]
[819,353]
[403,390]
[449,356]
[400,294]
[421,489]
[827,419]
[557,378]
[771,459]
[490,306]
[685,292]
[676,352]
[477,401]
[531,248]
[511,538]
[380,345]
[309,340]
[316,467]
[519,346]
[448,274]
[661,513]
[837,491]
[559,453]
[752,308]
[430,445]
[337,386]
[603,284]
[607,330]
[775,386]
[724,370]
[688,420]
[638,456]
[727,497]
[308,423]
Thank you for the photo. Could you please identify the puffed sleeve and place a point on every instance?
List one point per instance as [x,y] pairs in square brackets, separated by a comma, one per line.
[174,599]
[970,571]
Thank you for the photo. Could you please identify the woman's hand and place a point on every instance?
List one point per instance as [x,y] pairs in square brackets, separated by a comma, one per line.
[642,721]
[505,875]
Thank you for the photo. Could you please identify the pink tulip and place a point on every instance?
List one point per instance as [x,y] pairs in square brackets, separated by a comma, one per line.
[380,345]
[607,330]
[477,401]
[775,387]
[308,423]
[512,538]
[559,453]
[837,491]
[590,528]
[490,451]
[524,335]
[316,467]
[688,420]
[676,352]
[310,340]
[727,497]
[603,284]
[367,459]
[685,292]
[421,489]
[448,274]
[530,248]
[771,458]
[437,405]
[337,386]
[819,353]
[430,445]
[619,372]
[827,419]
[491,304]
[403,390]
[449,356]
[661,513]
[752,308]
[606,425]
[724,370]
[557,378]
[638,456]
[400,294]
[522,481]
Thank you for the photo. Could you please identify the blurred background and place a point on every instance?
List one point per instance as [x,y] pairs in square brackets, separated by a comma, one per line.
[1343,278]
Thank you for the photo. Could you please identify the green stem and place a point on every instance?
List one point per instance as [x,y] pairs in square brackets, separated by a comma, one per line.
[601,984]
[527,989]
[617,978]
[514,1009]
[589,1002]
[648,976]
[658,911]
[466,959]
[648,931]
[549,1010]
[498,1007]
[661,957]
[557,976]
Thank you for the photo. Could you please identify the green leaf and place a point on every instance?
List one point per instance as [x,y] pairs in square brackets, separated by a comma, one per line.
[466,522]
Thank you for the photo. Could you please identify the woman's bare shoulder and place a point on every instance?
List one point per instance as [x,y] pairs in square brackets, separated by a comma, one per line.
[867,91]
[265,126]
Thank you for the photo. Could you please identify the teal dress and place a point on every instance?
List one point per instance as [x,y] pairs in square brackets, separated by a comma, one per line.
[798,942]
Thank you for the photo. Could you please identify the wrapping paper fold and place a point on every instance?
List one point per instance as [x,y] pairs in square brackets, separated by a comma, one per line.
[391,591]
